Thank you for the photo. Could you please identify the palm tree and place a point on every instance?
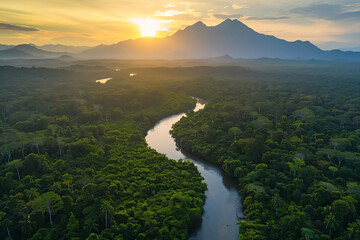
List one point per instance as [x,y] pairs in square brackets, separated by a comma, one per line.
[58,141]
[68,181]
[276,202]
[31,193]
[105,207]
[90,225]
[331,223]
[308,233]
[27,225]
[353,231]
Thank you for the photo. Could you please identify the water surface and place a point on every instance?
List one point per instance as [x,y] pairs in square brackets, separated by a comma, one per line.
[103,81]
[222,208]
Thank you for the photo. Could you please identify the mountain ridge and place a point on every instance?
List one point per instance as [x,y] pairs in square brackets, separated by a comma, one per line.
[28,51]
[197,41]
[230,37]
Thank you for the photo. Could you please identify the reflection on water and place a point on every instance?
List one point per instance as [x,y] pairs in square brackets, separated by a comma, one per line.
[103,81]
[223,203]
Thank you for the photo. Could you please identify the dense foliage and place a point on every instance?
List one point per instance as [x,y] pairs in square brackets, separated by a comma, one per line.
[292,139]
[74,163]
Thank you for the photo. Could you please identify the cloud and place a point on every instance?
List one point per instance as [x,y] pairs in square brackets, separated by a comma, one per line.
[12,27]
[172,14]
[170,6]
[226,16]
[347,15]
[168,13]
[267,18]
[237,6]
[328,11]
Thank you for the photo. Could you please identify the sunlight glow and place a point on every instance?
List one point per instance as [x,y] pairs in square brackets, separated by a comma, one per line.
[148,27]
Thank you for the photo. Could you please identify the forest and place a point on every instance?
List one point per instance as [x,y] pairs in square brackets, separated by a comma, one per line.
[75,165]
[292,139]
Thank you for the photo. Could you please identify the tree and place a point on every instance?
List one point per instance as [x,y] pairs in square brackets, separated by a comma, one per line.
[37,141]
[27,225]
[333,170]
[17,163]
[262,123]
[276,202]
[309,234]
[31,193]
[67,181]
[251,234]
[305,114]
[105,207]
[235,131]
[50,202]
[331,223]
[72,226]
[295,165]
[353,230]
[4,222]
[59,141]
[90,224]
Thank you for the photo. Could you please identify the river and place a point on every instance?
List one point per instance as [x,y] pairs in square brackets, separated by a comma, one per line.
[222,208]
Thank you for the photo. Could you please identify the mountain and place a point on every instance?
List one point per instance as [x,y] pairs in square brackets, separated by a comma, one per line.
[3,47]
[353,49]
[14,53]
[63,48]
[230,37]
[26,51]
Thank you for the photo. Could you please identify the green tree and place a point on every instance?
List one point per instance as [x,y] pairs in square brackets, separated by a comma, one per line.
[235,131]
[4,222]
[353,230]
[333,170]
[50,202]
[296,165]
[105,208]
[17,163]
[331,223]
[90,225]
[276,202]
[27,225]
[72,226]
[309,234]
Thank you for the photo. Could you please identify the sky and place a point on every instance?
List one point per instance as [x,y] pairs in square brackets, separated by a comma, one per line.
[329,24]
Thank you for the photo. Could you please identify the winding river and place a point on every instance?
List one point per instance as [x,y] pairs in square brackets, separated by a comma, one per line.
[222,208]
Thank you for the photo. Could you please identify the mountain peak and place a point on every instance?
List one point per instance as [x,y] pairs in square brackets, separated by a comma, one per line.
[195,28]
[198,24]
[228,21]
[25,46]
[232,23]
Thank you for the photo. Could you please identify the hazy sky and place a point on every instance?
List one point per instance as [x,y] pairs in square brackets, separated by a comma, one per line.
[329,24]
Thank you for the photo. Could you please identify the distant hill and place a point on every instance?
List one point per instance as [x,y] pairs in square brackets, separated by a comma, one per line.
[63,48]
[353,49]
[66,58]
[230,37]
[14,53]
[26,51]
[3,47]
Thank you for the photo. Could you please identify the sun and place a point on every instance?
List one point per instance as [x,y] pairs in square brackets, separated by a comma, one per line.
[148,27]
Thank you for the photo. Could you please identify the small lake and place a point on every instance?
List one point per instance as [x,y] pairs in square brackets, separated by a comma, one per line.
[222,208]
[103,81]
